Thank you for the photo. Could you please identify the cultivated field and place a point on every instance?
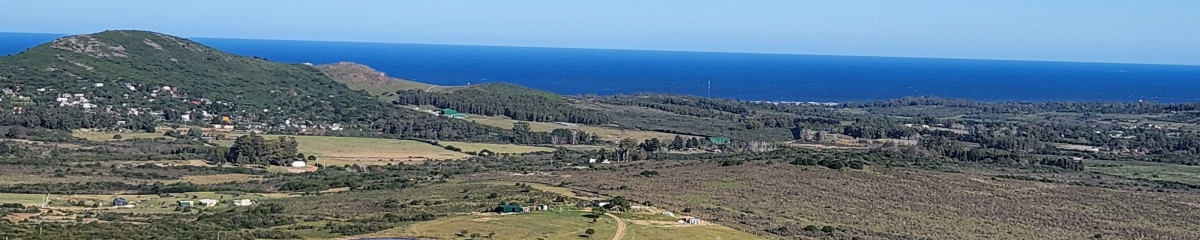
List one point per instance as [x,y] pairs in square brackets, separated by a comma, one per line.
[894,203]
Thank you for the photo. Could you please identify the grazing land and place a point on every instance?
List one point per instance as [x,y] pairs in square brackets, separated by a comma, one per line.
[610,133]
[496,148]
[1145,170]
[894,203]
[108,136]
[568,224]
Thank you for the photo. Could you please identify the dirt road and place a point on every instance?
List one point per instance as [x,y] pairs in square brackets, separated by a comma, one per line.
[620,226]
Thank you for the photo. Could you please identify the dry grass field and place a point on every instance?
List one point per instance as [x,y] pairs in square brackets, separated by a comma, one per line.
[526,226]
[896,203]
[1147,170]
[368,151]
[496,148]
[606,133]
[381,151]
[108,136]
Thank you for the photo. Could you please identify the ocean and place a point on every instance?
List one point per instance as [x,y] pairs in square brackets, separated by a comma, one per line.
[766,77]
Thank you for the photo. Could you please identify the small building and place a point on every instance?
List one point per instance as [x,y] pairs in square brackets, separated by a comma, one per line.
[208,202]
[119,202]
[186,203]
[508,208]
[719,140]
[243,202]
[543,208]
[299,164]
[600,203]
[692,220]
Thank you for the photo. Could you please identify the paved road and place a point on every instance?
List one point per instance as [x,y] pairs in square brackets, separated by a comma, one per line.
[620,226]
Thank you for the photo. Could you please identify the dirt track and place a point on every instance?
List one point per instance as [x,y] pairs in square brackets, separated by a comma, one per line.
[620,226]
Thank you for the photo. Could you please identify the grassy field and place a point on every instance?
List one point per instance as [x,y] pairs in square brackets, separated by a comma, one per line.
[641,231]
[217,178]
[527,226]
[143,203]
[381,151]
[108,136]
[606,133]
[368,151]
[895,203]
[1148,170]
[497,148]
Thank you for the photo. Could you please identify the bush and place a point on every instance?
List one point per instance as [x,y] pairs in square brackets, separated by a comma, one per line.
[453,148]
[117,137]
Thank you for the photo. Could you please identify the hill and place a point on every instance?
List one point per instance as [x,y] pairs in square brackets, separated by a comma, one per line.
[127,74]
[362,77]
[504,99]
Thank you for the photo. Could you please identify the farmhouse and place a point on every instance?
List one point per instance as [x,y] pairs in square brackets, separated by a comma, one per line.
[508,208]
[691,220]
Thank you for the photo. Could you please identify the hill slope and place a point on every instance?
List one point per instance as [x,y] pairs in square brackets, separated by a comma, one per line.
[362,77]
[125,72]
[511,100]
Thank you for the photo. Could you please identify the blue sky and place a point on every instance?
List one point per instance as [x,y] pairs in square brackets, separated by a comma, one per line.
[1156,31]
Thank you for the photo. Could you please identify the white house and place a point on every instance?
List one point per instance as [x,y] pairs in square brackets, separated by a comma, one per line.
[299,164]
[208,202]
[243,202]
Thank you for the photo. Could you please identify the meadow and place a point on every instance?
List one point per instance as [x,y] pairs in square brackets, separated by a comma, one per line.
[1147,170]
[606,133]
[547,225]
[888,203]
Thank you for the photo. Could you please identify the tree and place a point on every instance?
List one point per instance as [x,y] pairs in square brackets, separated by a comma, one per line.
[589,232]
[597,212]
[117,137]
[195,133]
[16,132]
[677,143]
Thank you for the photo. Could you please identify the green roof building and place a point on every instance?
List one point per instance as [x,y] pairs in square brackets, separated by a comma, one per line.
[508,208]
[719,140]
[448,112]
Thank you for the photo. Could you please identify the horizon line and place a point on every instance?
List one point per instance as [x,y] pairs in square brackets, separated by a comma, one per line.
[651,50]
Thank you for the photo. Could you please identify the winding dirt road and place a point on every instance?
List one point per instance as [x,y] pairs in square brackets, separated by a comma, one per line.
[620,226]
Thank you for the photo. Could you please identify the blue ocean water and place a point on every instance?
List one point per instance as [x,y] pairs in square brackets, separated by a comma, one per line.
[774,77]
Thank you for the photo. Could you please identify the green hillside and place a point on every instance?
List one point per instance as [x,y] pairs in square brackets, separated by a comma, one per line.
[123,72]
[505,99]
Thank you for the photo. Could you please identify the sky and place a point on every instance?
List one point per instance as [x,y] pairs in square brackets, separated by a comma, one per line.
[1154,31]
